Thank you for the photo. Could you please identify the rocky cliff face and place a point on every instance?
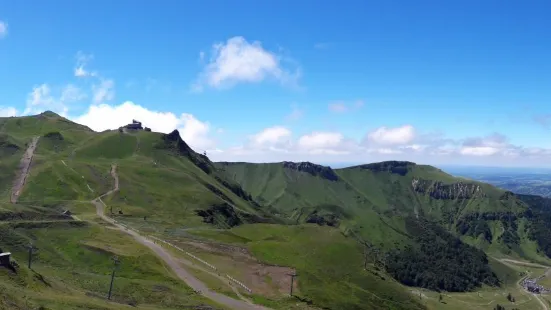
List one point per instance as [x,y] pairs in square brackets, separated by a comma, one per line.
[439,190]
[175,142]
[312,169]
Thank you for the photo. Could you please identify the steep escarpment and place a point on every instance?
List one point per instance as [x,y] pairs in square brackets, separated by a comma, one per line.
[440,190]
[173,141]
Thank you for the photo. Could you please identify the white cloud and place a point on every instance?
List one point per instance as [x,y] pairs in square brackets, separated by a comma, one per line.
[478,150]
[384,151]
[8,111]
[3,29]
[392,136]
[103,116]
[42,98]
[484,146]
[271,137]
[239,61]
[320,140]
[82,60]
[104,91]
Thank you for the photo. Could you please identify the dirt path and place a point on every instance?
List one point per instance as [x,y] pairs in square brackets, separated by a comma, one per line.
[519,285]
[544,306]
[518,262]
[24,167]
[170,260]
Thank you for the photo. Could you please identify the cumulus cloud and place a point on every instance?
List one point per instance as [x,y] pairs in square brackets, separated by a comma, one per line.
[239,61]
[392,136]
[3,29]
[320,140]
[41,98]
[103,116]
[485,146]
[272,137]
[384,143]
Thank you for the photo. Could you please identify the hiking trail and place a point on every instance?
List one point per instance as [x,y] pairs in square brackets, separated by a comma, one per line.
[24,167]
[168,258]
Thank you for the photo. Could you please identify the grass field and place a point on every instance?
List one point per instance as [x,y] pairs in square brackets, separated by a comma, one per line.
[74,263]
[330,266]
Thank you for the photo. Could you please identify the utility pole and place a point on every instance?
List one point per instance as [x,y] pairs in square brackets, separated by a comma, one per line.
[292,282]
[31,248]
[117,262]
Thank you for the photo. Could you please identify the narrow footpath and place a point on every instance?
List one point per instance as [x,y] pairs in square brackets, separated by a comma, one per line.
[170,260]
[24,167]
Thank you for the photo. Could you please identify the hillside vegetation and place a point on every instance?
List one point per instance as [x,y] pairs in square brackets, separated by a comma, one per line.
[415,219]
[356,237]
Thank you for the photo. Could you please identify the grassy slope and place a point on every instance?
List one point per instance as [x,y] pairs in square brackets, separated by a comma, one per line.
[72,267]
[70,168]
[329,265]
[376,201]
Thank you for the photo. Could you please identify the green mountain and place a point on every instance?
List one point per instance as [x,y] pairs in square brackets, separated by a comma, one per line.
[400,209]
[357,238]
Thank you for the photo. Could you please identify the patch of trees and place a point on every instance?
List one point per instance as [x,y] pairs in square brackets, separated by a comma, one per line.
[394,167]
[474,228]
[439,261]
[539,216]
[475,224]
[323,219]
[54,135]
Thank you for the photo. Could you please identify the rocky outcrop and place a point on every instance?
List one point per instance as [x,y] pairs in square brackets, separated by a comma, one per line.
[395,167]
[312,169]
[439,190]
[174,141]
[222,215]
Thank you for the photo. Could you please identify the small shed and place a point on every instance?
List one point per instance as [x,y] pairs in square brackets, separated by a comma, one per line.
[5,259]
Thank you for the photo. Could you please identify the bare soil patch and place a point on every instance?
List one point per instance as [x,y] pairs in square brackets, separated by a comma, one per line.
[270,281]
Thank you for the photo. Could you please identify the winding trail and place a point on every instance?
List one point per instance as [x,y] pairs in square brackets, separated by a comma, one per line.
[169,259]
[512,261]
[24,167]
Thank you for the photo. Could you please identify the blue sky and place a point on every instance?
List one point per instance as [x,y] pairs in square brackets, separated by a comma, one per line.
[438,82]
